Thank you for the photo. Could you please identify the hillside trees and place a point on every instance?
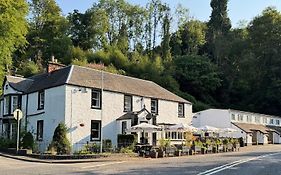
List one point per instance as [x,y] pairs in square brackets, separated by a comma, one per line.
[13,27]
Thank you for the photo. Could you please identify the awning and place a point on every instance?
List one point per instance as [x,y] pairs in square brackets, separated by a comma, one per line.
[249,128]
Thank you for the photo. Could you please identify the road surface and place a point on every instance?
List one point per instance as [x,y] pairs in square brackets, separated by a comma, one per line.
[254,160]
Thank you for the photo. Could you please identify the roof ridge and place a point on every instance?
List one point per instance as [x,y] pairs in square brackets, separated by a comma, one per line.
[34,76]
[115,74]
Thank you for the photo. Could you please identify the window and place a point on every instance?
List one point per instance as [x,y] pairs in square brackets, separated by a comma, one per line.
[240,117]
[265,120]
[40,126]
[154,106]
[41,99]
[257,119]
[174,135]
[96,99]
[128,106]
[277,122]
[249,118]
[124,127]
[181,110]
[15,103]
[7,101]
[95,130]
[271,121]
[233,117]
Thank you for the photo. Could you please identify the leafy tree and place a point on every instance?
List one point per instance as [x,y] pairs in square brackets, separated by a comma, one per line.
[48,32]
[197,75]
[28,69]
[60,141]
[13,27]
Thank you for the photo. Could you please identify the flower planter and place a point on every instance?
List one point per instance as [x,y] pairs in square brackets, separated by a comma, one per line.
[185,150]
[197,149]
[154,154]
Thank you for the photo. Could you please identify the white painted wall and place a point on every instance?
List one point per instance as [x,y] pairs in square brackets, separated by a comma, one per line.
[213,117]
[113,106]
[54,114]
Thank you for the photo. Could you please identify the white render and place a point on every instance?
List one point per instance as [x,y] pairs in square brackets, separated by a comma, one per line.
[223,118]
[71,105]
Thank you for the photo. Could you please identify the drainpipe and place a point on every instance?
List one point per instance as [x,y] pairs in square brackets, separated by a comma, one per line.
[26,110]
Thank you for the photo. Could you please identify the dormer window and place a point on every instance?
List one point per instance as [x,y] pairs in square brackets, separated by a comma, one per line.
[41,99]
[15,103]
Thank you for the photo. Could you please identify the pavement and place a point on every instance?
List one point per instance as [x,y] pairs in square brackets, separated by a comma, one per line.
[252,160]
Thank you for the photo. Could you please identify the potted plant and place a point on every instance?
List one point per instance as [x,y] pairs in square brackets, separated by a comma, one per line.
[163,144]
[219,145]
[197,146]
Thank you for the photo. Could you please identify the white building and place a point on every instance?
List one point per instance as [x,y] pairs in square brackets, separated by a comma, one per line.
[254,128]
[73,95]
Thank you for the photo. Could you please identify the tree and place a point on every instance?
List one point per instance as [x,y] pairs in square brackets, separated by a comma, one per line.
[218,27]
[60,141]
[27,141]
[197,75]
[48,32]
[13,27]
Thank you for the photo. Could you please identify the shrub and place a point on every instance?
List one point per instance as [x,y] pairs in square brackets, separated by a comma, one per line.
[60,142]
[7,143]
[27,141]
[126,150]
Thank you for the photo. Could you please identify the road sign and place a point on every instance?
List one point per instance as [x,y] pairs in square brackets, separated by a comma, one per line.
[17,114]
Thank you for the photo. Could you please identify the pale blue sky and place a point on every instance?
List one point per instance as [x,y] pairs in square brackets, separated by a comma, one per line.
[200,9]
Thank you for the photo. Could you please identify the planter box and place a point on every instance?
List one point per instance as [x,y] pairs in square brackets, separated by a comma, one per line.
[220,148]
[178,152]
[170,151]
[161,153]
[236,147]
[24,152]
[185,150]
[154,154]
[197,149]
[209,149]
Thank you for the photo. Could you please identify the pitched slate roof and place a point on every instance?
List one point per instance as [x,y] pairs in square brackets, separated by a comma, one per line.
[86,77]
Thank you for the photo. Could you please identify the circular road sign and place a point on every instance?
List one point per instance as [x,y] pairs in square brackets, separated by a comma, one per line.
[17,114]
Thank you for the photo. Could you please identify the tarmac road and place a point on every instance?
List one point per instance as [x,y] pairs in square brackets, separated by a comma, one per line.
[252,160]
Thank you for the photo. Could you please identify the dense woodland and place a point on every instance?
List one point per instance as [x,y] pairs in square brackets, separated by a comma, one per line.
[209,63]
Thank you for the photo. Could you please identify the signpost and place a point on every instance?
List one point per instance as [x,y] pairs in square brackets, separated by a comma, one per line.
[18,116]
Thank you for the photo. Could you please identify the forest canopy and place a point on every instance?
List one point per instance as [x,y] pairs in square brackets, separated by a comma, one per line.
[209,63]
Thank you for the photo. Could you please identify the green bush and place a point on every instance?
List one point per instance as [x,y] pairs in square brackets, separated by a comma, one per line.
[126,150]
[7,143]
[27,141]
[60,142]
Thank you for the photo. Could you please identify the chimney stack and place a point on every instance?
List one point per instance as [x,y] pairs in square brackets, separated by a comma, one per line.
[53,65]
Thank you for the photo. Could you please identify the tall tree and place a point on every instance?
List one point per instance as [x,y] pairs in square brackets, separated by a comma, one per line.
[48,32]
[13,27]
[218,27]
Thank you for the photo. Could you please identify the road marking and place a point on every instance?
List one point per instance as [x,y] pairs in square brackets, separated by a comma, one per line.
[104,164]
[235,163]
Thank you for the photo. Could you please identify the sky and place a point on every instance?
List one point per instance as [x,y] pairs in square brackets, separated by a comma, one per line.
[238,10]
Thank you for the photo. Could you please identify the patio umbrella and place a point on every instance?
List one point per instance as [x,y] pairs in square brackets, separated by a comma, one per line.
[182,127]
[229,130]
[145,127]
[208,128]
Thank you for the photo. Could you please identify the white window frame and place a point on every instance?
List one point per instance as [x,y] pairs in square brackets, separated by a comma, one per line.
[97,99]
[181,110]
[233,117]
[41,99]
[7,105]
[128,100]
[154,106]
[15,103]
[95,130]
